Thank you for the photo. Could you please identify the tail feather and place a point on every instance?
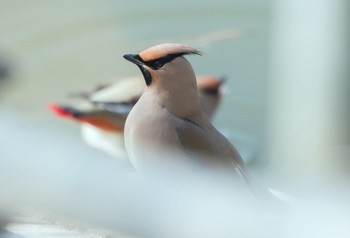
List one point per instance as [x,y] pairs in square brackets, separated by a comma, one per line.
[64,111]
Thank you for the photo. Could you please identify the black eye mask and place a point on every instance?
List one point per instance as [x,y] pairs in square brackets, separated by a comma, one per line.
[153,64]
[159,63]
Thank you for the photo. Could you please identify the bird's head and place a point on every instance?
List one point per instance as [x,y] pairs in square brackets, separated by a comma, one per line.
[161,63]
[211,85]
[170,75]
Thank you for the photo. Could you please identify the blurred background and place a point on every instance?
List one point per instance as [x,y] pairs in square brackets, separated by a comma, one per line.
[287,107]
[54,49]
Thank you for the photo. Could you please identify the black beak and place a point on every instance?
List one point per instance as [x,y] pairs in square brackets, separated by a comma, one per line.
[136,59]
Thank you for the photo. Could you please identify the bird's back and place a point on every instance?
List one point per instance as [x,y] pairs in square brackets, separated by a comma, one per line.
[193,141]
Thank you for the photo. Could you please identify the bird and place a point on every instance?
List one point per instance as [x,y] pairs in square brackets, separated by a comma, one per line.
[103,129]
[211,89]
[105,107]
[168,118]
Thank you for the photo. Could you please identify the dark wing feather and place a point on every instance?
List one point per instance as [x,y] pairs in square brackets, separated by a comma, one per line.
[122,108]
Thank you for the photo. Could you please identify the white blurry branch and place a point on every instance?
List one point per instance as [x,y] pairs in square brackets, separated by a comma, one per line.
[309,72]
[44,171]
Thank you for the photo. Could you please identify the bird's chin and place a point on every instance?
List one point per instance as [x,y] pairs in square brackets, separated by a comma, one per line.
[146,74]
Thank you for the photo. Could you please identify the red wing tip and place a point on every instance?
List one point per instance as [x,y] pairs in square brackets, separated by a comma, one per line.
[59,110]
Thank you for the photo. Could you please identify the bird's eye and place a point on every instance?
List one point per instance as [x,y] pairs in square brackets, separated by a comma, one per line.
[158,64]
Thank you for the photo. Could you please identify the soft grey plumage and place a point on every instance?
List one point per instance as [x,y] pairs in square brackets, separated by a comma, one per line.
[168,117]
